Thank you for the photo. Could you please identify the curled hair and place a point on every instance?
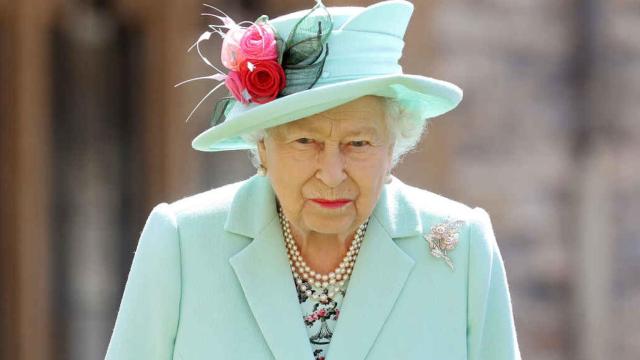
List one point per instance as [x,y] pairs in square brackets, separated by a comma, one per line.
[404,122]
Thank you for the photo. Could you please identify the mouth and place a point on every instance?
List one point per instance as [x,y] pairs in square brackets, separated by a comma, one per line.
[332,204]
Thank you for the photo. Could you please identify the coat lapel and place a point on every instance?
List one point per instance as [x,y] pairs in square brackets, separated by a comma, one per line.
[378,277]
[262,268]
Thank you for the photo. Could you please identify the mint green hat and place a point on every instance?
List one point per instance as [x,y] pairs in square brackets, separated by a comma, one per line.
[361,58]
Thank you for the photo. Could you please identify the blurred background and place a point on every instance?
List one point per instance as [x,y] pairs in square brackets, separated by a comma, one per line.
[547,139]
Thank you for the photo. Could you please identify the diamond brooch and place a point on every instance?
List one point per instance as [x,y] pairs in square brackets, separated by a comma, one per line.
[444,238]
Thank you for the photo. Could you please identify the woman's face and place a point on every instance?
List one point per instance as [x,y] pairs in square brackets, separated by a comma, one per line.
[328,169]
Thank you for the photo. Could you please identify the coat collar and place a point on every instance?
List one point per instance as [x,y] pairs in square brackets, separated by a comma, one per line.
[253,207]
[263,270]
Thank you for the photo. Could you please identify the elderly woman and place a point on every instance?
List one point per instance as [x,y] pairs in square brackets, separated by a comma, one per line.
[323,254]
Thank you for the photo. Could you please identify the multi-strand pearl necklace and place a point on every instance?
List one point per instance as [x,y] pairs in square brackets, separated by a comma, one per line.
[326,286]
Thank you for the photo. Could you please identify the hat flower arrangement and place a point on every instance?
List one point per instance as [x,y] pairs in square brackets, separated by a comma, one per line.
[261,65]
[251,55]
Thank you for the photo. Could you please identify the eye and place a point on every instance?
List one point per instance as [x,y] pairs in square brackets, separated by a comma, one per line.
[359,143]
[304,141]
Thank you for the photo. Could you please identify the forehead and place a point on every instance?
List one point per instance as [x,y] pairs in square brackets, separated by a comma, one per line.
[363,115]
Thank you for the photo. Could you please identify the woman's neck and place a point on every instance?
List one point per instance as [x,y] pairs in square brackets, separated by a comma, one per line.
[322,252]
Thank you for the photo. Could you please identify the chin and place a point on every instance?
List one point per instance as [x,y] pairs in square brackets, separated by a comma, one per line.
[330,223]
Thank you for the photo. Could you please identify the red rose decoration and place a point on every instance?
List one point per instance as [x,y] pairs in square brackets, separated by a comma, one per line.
[263,79]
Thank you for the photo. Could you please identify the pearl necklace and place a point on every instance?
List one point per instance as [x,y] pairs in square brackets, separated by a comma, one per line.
[326,285]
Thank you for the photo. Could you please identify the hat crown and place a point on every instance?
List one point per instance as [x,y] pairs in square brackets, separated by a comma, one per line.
[364,42]
[387,17]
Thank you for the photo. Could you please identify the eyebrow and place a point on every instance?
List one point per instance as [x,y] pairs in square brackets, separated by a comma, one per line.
[315,129]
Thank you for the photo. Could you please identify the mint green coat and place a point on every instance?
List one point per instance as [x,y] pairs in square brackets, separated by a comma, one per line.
[211,280]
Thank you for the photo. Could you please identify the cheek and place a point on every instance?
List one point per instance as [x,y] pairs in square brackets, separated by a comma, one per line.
[288,175]
[369,175]
[305,155]
[292,166]
[373,165]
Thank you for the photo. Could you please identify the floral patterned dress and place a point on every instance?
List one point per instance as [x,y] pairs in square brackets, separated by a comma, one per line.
[320,319]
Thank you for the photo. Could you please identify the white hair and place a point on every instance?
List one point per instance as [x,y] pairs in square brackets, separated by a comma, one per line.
[405,123]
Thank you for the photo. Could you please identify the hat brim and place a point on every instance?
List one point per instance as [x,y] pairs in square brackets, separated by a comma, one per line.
[431,97]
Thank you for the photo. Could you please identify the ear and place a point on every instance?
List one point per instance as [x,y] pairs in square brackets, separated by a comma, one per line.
[262,152]
[390,164]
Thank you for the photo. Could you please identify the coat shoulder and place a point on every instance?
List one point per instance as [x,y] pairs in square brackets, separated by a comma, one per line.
[211,203]
[242,208]
[425,205]
[435,204]
[435,208]
[473,224]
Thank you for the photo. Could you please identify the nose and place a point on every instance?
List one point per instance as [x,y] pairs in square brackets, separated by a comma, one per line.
[331,169]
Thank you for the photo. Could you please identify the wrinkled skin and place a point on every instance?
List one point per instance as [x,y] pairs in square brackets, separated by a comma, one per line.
[342,153]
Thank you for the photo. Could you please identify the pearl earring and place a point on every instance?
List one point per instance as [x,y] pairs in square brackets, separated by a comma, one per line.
[262,171]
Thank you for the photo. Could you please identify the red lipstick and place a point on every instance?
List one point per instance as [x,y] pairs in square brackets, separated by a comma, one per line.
[331,204]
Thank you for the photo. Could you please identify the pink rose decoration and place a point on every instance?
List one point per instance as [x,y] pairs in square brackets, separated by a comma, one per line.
[233,82]
[231,55]
[259,43]
[322,313]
